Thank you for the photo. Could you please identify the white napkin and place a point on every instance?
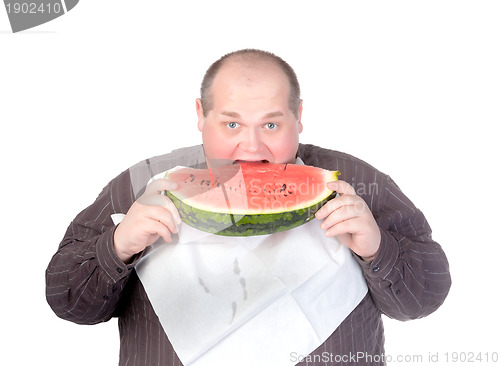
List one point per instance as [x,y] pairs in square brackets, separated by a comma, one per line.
[250,300]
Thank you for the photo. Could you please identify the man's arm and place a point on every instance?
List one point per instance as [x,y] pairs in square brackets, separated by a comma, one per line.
[409,277]
[85,277]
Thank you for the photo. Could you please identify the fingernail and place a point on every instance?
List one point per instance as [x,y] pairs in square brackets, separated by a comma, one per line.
[170,185]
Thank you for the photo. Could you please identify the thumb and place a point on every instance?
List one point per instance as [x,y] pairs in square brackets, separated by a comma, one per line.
[341,187]
[158,186]
[154,193]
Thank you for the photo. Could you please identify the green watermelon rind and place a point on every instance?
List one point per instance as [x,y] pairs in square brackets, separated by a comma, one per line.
[227,224]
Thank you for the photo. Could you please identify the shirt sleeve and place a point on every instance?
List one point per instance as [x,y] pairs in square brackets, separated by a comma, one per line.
[85,278]
[409,278]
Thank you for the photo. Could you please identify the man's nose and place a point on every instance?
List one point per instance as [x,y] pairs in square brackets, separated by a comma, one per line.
[251,141]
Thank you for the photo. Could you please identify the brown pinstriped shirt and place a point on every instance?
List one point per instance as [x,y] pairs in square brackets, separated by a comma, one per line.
[87,283]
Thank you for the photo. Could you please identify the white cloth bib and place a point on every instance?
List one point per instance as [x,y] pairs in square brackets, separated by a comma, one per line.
[250,300]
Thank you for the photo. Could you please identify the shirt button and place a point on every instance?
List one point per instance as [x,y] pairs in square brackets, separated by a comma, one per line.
[376,268]
[119,270]
[398,292]
[105,297]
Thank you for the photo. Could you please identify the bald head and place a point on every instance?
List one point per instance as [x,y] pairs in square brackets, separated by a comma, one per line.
[250,58]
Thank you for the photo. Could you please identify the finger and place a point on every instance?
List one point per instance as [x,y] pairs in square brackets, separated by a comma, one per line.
[169,222]
[158,186]
[170,206]
[153,195]
[342,228]
[335,204]
[157,228]
[341,187]
[165,233]
[340,215]
[162,202]
[166,217]
[153,200]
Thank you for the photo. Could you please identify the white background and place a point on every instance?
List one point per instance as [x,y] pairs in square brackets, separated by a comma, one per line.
[411,87]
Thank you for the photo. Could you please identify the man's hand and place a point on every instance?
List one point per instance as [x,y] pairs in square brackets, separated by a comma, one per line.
[349,219]
[151,216]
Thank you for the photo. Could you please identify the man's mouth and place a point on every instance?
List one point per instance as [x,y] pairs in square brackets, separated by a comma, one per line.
[238,161]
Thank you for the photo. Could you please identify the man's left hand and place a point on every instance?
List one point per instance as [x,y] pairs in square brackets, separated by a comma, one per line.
[349,219]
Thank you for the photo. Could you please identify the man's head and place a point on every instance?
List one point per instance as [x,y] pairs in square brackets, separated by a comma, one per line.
[250,57]
[250,108]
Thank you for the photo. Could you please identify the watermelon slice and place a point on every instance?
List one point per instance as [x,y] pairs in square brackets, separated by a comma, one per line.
[250,198]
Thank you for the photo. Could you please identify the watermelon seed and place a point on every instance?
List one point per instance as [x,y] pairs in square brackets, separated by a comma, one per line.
[192,177]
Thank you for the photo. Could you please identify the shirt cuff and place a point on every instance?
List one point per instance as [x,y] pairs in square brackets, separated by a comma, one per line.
[109,261]
[385,260]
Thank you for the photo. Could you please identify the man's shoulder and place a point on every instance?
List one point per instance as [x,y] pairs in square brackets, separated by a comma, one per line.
[185,156]
[363,177]
[329,159]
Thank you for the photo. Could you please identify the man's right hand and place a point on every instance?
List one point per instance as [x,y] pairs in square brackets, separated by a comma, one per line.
[153,215]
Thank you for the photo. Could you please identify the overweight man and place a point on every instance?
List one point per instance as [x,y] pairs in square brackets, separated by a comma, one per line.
[250,110]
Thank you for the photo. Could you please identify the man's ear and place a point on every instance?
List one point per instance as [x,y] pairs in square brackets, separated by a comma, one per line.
[299,118]
[201,115]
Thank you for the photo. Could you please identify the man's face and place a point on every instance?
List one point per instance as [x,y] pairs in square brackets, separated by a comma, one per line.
[251,119]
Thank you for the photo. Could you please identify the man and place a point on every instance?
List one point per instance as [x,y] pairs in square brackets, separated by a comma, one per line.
[249,110]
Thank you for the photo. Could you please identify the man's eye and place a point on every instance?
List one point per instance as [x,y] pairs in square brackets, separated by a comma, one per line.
[232,125]
[271,125]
